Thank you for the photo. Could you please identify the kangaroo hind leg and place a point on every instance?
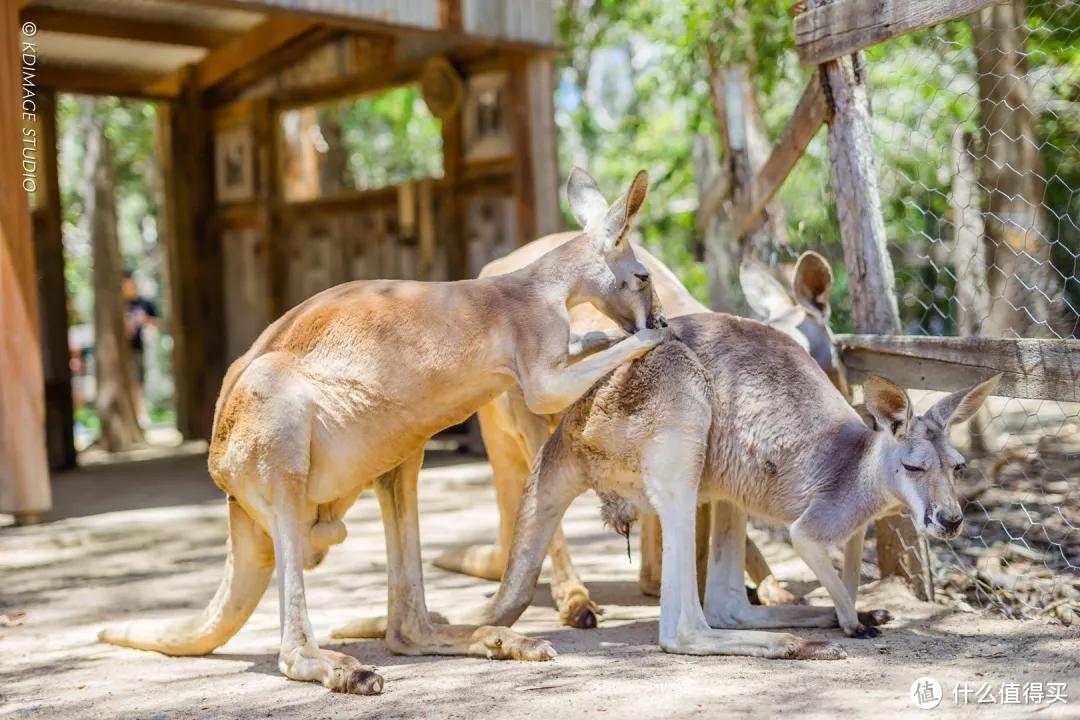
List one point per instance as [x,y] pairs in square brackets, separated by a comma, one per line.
[249,564]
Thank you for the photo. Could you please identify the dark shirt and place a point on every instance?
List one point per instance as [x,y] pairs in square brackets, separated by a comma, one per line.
[139,310]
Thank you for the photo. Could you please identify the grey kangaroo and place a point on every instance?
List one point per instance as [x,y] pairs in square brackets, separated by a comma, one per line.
[733,411]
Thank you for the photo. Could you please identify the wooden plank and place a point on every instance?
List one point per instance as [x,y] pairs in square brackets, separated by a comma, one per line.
[52,296]
[370,81]
[810,114]
[106,81]
[227,59]
[24,471]
[347,15]
[1036,369]
[274,61]
[842,28]
[113,26]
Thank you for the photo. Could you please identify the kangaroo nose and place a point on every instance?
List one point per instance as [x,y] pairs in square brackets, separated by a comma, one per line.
[950,522]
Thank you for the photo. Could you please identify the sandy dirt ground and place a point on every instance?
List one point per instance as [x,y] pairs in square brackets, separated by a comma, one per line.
[146,539]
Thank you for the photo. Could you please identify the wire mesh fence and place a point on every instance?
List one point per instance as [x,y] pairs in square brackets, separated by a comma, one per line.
[977,141]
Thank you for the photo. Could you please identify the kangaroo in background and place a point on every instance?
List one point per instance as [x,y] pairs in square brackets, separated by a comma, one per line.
[340,395]
[513,435]
[732,410]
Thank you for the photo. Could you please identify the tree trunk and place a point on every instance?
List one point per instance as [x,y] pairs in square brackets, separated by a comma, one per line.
[1011,176]
[969,264]
[719,247]
[115,402]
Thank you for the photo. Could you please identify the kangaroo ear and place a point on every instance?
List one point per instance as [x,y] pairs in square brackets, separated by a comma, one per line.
[962,404]
[613,229]
[888,404]
[813,281]
[586,202]
[764,294]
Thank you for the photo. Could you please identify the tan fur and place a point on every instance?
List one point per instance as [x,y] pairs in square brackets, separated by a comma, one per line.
[340,395]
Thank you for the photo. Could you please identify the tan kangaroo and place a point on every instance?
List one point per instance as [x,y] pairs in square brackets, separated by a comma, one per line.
[513,435]
[732,410]
[340,395]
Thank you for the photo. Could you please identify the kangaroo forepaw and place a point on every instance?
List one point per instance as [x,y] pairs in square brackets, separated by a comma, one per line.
[863,632]
[873,618]
[818,650]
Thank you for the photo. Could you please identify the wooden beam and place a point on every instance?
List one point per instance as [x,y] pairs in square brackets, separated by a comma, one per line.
[106,81]
[50,19]
[1036,369]
[241,52]
[24,471]
[841,28]
[52,295]
[450,15]
[810,114]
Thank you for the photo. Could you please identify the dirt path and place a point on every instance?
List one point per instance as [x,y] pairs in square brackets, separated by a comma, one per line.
[159,553]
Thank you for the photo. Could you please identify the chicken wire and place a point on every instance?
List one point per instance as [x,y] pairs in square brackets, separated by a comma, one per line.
[977,143]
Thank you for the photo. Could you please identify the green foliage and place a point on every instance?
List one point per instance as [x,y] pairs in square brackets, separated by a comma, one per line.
[130,130]
[923,88]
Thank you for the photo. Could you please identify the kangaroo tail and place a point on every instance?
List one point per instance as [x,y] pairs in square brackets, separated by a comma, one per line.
[249,565]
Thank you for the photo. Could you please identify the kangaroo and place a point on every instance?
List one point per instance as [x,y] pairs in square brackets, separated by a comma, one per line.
[732,410]
[340,395]
[513,435]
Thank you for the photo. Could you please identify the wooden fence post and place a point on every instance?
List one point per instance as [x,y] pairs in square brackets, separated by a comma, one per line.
[24,471]
[901,550]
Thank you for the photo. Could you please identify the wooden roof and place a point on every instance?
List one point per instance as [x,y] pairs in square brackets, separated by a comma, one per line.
[141,47]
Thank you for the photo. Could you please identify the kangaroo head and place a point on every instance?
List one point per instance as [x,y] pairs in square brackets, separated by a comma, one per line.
[920,462]
[612,278]
[805,318]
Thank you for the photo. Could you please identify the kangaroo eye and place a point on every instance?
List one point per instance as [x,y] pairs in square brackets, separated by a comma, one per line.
[959,470]
[913,468]
[643,277]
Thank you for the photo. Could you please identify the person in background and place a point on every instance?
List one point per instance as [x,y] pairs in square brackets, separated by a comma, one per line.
[141,313]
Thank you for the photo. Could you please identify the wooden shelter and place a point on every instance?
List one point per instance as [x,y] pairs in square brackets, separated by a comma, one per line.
[240,252]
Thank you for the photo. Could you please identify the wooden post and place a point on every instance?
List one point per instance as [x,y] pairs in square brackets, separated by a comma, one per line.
[270,199]
[532,130]
[49,249]
[452,232]
[24,471]
[195,258]
[901,550]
